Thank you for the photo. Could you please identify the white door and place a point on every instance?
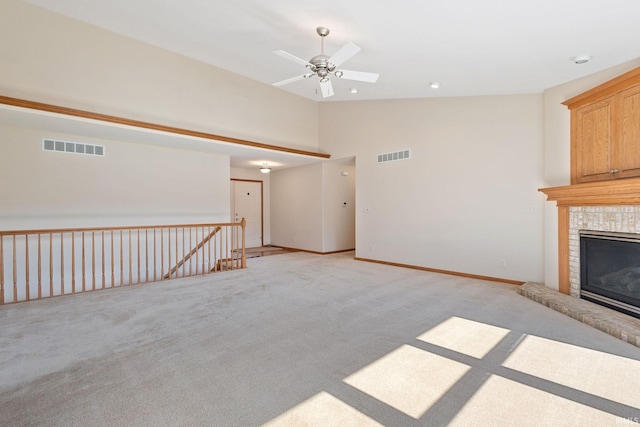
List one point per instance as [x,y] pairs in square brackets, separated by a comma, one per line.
[247,204]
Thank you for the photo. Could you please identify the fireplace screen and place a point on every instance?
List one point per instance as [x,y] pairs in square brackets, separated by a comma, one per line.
[610,270]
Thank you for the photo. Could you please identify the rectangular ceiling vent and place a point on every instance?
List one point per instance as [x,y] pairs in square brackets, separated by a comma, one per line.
[72,147]
[398,155]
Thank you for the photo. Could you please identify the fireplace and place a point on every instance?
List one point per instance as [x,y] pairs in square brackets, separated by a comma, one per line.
[610,269]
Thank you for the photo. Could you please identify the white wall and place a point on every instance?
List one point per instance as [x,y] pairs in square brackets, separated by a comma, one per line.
[466,201]
[50,58]
[54,59]
[132,184]
[308,206]
[296,207]
[339,205]
[255,175]
[557,160]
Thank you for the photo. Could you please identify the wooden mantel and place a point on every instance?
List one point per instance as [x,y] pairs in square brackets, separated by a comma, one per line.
[614,192]
[603,193]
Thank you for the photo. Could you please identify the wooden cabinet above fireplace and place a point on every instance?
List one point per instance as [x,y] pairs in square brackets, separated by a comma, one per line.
[605,130]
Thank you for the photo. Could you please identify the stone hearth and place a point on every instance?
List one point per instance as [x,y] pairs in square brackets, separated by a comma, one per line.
[619,325]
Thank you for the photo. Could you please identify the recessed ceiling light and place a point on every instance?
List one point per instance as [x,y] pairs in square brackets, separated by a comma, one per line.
[581,59]
[353,90]
[434,85]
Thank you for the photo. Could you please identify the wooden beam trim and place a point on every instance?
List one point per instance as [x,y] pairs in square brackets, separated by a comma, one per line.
[23,103]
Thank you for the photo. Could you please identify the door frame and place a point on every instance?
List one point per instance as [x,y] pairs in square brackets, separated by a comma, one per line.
[261,204]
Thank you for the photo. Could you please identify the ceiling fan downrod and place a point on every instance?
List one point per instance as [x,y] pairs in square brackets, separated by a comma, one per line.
[322,32]
[320,63]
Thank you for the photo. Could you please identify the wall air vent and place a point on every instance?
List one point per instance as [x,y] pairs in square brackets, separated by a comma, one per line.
[72,147]
[398,155]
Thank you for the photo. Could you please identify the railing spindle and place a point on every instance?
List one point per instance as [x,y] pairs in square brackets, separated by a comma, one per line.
[209,254]
[84,277]
[176,249]
[93,261]
[61,264]
[191,259]
[27,291]
[234,245]
[130,260]
[121,260]
[113,261]
[162,254]
[155,259]
[197,258]
[169,246]
[183,250]
[243,224]
[39,266]
[50,264]
[102,252]
[73,262]
[138,233]
[15,272]
[146,254]
[218,250]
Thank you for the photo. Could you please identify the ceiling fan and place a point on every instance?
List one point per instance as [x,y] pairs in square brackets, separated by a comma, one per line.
[323,66]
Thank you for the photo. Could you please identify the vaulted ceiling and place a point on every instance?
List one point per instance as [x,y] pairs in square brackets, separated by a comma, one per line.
[470,47]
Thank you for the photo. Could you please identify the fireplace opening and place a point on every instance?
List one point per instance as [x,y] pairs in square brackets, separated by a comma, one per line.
[610,270]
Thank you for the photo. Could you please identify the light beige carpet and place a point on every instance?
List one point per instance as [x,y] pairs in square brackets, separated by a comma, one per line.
[302,339]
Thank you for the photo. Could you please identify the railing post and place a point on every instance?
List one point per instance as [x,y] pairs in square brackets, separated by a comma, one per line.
[243,223]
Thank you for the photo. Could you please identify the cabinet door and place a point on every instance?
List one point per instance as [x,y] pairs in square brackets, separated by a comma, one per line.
[592,138]
[627,150]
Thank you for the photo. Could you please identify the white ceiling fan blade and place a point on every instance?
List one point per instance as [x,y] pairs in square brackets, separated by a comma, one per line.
[326,87]
[345,52]
[358,75]
[290,57]
[292,79]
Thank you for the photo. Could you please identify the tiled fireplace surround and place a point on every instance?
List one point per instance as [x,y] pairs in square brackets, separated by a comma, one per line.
[596,218]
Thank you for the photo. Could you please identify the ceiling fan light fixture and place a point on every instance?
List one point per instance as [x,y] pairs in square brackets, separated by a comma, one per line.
[265,168]
[353,90]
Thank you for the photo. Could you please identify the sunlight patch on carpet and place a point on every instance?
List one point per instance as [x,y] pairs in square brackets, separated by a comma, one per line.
[465,336]
[409,379]
[602,374]
[322,410]
[501,401]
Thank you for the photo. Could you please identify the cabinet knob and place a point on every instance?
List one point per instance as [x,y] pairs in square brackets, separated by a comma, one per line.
[613,171]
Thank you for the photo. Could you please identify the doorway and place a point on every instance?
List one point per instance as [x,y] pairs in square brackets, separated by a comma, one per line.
[246,202]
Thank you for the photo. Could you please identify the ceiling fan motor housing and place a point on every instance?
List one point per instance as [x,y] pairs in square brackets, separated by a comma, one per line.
[321,66]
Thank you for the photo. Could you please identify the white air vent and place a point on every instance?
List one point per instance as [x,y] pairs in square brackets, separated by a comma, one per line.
[397,155]
[72,147]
